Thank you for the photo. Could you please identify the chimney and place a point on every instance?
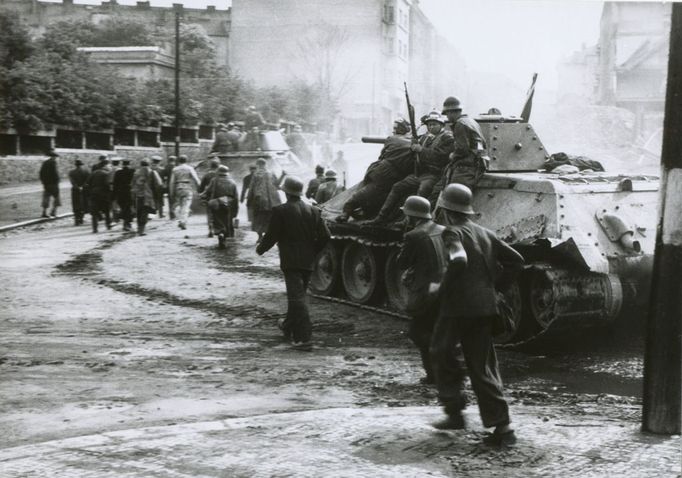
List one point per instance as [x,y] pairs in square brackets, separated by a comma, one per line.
[143,5]
[210,8]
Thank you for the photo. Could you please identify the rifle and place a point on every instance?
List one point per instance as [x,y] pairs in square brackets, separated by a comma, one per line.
[344,180]
[413,127]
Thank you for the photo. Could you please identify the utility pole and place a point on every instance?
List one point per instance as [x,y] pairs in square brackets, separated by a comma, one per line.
[178,11]
[661,399]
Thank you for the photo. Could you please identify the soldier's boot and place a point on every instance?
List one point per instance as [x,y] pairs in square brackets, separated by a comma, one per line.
[44,214]
[140,230]
[53,212]
[453,421]
[503,436]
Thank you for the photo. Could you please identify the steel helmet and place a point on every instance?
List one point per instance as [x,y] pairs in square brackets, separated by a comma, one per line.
[456,197]
[451,103]
[401,126]
[330,173]
[292,185]
[222,169]
[417,206]
[434,116]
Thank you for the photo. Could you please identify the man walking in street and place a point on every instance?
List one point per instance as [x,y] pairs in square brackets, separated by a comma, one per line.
[329,188]
[145,181]
[479,262]
[423,258]
[99,195]
[78,177]
[49,176]
[314,184]
[181,181]
[166,173]
[205,181]
[469,159]
[158,192]
[221,198]
[122,189]
[115,207]
[246,185]
[300,233]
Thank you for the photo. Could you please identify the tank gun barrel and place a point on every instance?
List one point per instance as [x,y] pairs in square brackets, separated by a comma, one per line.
[374,139]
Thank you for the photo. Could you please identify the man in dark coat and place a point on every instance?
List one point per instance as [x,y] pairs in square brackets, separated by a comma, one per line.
[394,163]
[469,159]
[480,263]
[433,149]
[99,195]
[300,233]
[329,188]
[123,179]
[49,176]
[78,176]
[423,258]
[246,185]
[158,192]
[165,176]
[314,184]
[221,197]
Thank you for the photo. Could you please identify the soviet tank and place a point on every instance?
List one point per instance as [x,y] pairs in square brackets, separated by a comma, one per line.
[587,238]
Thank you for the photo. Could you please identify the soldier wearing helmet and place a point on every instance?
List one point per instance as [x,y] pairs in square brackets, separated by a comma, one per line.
[479,263]
[222,200]
[329,188]
[212,172]
[422,257]
[300,234]
[432,149]
[469,159]
[394,163]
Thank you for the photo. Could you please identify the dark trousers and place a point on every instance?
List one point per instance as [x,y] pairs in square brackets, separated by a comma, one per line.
[297,322]
[369,197]
[100,206]
[79,203]
[474,335]
[141,212]
[467,175]
[124,202]
[423,314]
[420,185]
[221,220]
[158,202]
[51,191]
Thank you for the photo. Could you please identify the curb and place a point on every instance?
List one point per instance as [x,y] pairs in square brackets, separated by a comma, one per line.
[32,222]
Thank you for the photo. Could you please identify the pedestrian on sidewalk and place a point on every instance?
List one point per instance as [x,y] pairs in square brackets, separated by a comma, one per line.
[99,196]
[263,197]
[223,202]
[300,233]
[115,207]
[423,258]
[79,200]
[212,172]
[122,189]
[144,182]
[49,176]
[479,262]
[182,178]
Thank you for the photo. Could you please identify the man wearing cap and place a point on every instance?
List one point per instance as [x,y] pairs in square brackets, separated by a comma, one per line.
[480,263]
[99,195]
[469,159]
[300,233]
[165,179]
[212,172]
[314,184]
[394,163]
[423,258]
[102,162]
[181,181]
[432,149]
[158,192]
[222,199]
[145,182]
[49,176]
[122,188]
[78,177]
[329,188]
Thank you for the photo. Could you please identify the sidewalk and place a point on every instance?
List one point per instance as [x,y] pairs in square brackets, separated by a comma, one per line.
[21,202]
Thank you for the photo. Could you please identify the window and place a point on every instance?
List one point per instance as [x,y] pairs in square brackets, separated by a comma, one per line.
[389,14]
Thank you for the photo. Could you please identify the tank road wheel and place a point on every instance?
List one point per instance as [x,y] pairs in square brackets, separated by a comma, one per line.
[326,274]
[396,292]
[542,299]
[360,272]
[513,299]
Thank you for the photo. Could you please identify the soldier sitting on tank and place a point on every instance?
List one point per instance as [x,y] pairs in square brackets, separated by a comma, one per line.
[469,160]
[394,163]
[432,149]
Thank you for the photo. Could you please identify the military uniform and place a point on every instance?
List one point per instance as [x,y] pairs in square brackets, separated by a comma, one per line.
[432,159]
[314,185]
[205,181]
[423,258]
[327,191]
[468,303]
[394,163]
[222,186]
[468,159]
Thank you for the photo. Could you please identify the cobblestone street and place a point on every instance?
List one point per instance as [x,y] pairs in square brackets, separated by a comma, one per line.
[116,364]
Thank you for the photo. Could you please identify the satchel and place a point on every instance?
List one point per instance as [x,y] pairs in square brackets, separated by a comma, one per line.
[216,203]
